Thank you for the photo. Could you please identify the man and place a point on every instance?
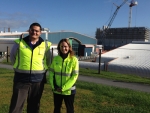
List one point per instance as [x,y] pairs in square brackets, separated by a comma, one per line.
[30,57]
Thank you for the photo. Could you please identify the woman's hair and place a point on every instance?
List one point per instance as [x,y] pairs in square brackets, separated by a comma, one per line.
[70,48]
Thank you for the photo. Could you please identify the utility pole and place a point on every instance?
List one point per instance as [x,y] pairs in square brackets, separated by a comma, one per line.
[99,67]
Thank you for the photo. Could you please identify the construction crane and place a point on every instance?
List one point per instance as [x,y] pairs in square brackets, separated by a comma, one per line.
[115,13]
[111,21]
[131,4]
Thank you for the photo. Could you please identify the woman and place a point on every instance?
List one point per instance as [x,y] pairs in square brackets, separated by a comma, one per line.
[63,75]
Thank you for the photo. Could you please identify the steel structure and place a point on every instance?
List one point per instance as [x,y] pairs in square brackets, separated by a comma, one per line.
[132,3]
[111,20]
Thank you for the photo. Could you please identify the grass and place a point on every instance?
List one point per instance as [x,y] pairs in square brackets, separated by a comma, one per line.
[90,98]
[115,76]
[107,75]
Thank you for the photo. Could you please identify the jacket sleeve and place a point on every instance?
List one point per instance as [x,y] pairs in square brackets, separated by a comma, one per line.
[13,53]
[51,75]
[72,80]
[48,56]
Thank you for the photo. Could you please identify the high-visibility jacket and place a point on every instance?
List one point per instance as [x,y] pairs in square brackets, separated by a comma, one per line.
[63,74]
[30,63]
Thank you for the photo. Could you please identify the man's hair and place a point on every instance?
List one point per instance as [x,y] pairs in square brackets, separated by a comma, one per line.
[70,48]
[35,24]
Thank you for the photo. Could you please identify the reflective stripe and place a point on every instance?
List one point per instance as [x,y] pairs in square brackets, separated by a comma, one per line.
[75,72]
[63,74]
[28,71]
[50,69]
[73,88]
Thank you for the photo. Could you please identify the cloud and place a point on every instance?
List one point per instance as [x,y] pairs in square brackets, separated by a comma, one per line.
[13,23]
[16,20]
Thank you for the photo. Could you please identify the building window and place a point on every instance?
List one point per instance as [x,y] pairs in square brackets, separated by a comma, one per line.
[75,46]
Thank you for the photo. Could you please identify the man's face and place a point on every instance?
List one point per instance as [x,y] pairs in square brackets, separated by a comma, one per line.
[34,32]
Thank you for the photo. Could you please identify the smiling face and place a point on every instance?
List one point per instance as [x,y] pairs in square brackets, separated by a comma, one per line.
[64,47]
[34,32]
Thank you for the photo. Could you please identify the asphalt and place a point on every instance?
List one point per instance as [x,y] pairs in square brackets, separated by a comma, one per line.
[132,86]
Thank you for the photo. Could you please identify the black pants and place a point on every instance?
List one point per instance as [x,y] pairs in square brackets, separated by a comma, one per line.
[68,99]
[21,91]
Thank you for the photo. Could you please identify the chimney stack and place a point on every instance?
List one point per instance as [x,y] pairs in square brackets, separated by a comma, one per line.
[9,29]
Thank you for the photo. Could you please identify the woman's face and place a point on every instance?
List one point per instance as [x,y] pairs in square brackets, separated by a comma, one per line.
[64,47]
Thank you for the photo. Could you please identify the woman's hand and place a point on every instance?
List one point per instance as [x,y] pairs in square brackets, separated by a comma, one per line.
[58,90]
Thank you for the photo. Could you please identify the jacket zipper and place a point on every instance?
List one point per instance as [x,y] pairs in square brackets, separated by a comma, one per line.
[66,67]
[31,66]
[61,74]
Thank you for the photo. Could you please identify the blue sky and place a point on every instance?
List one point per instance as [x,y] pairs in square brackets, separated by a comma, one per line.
[81,16]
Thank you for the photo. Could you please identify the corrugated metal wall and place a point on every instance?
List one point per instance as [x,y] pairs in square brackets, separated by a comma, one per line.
[55,37]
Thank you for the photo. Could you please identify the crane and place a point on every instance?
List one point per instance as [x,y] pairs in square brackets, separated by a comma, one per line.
[132,3]
[111,20]
[115,13]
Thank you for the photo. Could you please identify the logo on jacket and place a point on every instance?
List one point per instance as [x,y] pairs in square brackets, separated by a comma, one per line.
[25,47]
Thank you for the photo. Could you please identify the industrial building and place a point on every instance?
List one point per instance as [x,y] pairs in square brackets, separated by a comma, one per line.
[132,59]
[116,37]
[82,45]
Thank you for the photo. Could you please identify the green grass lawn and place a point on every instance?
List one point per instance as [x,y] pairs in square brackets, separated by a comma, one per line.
[114,76]
[90,97]
[107,75]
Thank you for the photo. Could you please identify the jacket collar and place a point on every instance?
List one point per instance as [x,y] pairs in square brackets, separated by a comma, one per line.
[27,40]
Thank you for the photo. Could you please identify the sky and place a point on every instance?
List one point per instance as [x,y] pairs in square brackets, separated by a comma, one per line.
[81,16]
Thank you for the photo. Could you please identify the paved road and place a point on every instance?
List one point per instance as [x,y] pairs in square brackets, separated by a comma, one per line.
[6,66]
[133,86]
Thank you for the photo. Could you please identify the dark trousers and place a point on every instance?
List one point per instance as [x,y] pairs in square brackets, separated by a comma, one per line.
[22,91]
[68,99]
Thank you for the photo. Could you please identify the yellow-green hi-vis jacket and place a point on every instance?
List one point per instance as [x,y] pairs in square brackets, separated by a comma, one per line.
[28,61]
[63,74]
